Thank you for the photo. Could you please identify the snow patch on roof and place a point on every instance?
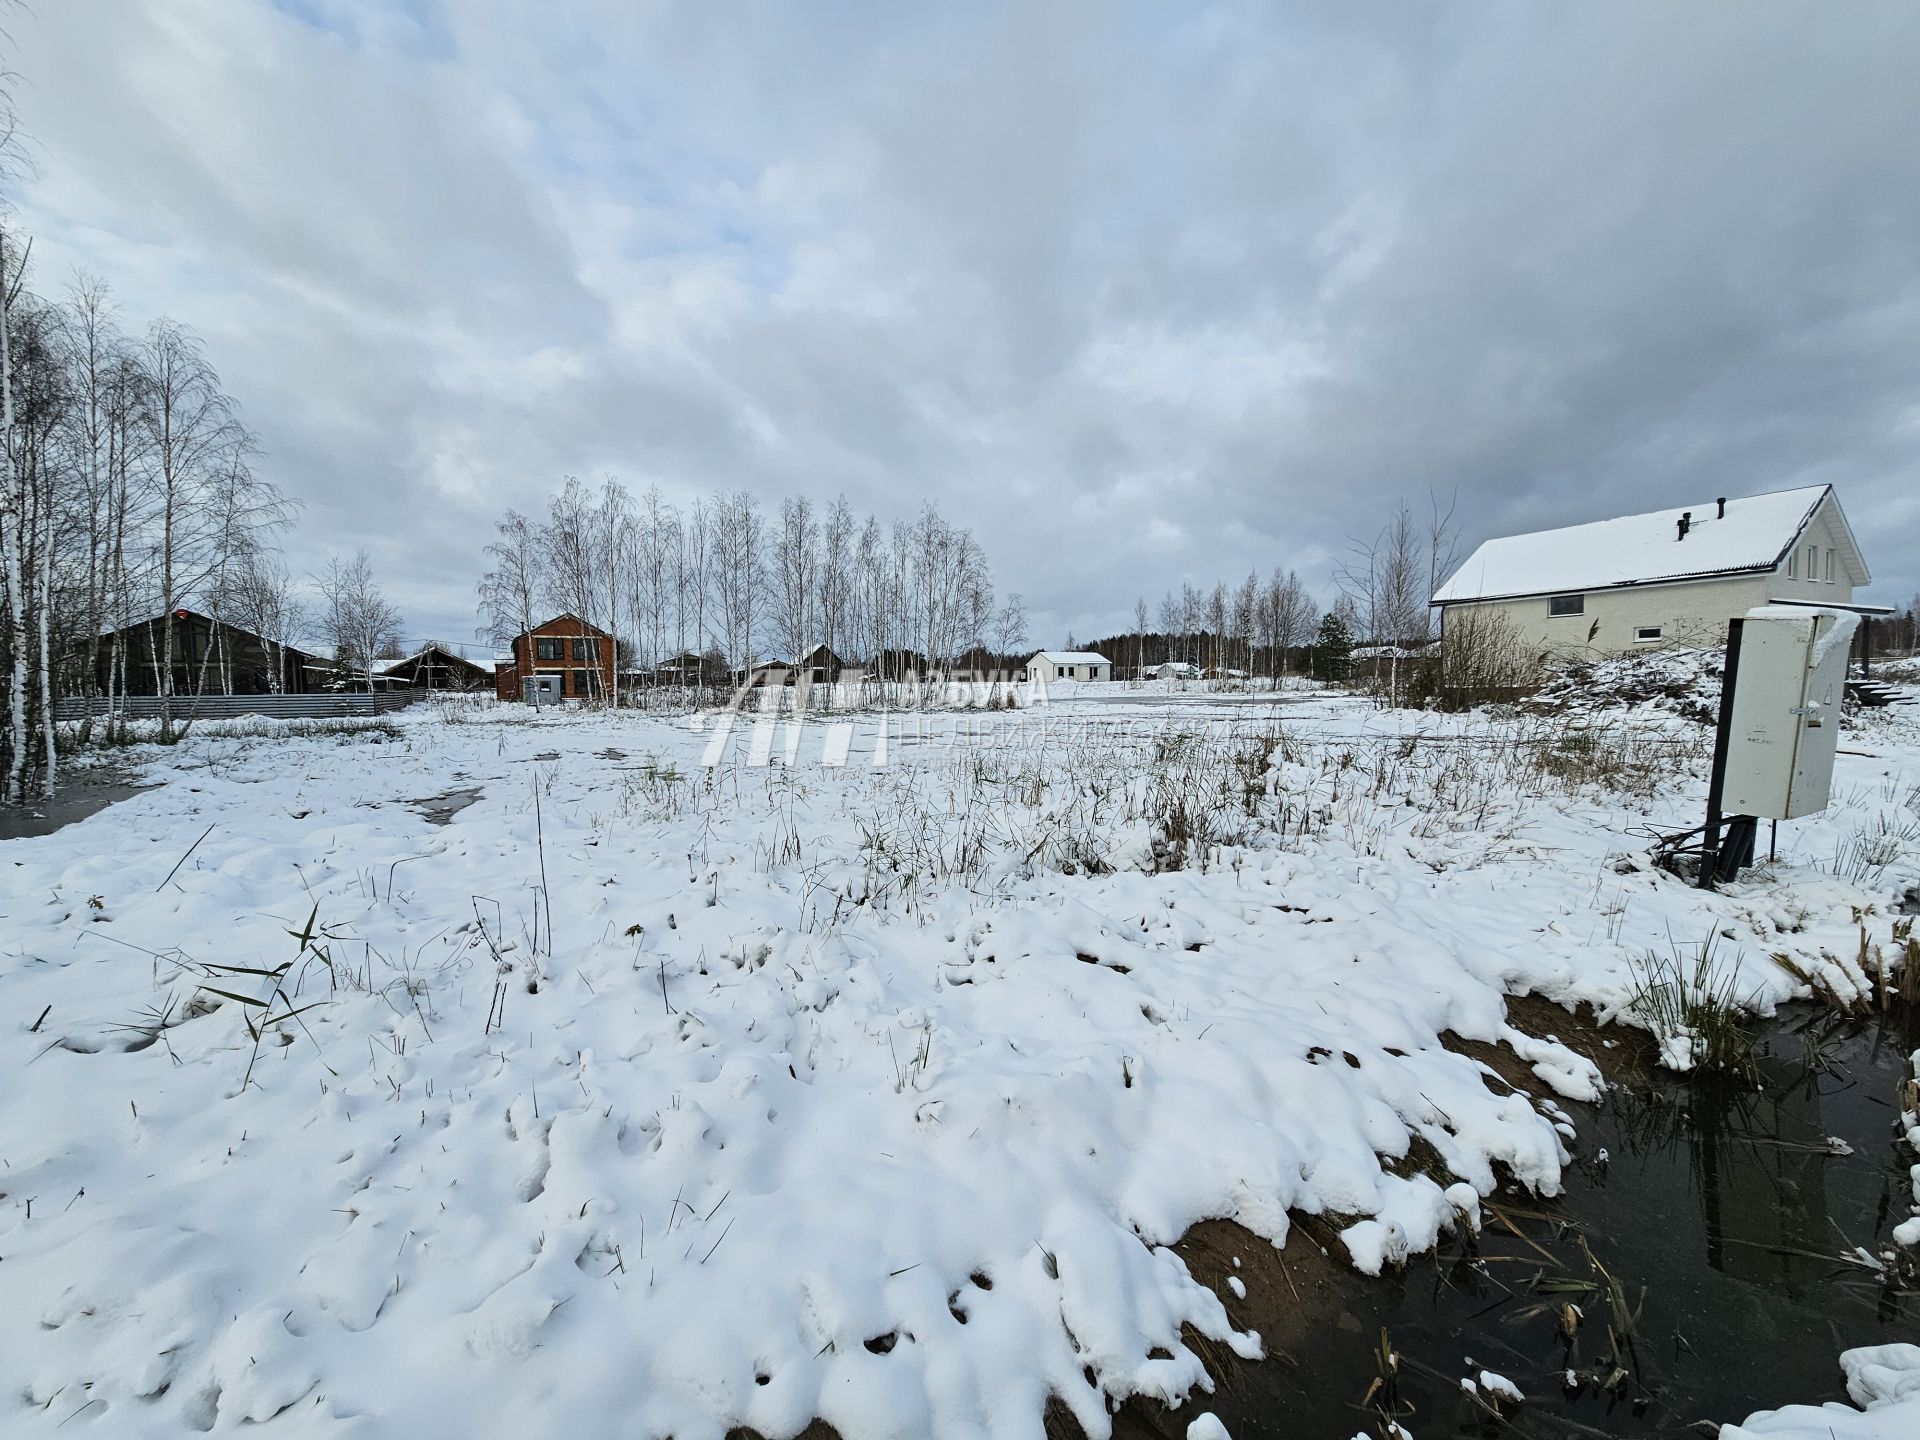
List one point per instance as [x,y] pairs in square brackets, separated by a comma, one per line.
[1637,549]
[1072,657]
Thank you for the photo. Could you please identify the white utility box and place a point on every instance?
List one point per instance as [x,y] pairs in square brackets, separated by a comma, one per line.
[1787,691]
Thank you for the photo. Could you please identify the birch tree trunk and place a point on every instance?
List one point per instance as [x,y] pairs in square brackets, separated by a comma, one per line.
[13,542]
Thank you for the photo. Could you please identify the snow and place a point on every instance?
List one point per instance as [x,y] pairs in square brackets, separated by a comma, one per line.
[1500,1387]
[1493,1388]
[1207,1427]
[1637,549]
[1839,636]
[1677,681]
[1883,1380]
[1072,657]
[872,1092]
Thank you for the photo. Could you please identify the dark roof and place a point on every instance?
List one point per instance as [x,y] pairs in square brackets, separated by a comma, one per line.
[182,613]
[439,650]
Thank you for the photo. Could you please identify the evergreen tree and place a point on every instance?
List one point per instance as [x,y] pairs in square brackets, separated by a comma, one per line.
[1333,649]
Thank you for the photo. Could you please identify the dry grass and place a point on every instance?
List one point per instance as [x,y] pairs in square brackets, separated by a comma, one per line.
[991,800]
[1876,979]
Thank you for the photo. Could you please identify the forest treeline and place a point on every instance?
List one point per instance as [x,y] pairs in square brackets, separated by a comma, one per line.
[725,577]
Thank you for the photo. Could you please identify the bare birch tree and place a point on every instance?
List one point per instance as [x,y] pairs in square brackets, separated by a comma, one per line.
[512,588]
[355,616]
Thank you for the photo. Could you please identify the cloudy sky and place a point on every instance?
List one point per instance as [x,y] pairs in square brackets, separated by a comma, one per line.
[1143,293]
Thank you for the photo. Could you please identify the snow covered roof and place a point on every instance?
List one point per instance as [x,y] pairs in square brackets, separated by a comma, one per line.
[1648,549]
[1072,657]
[1384,652]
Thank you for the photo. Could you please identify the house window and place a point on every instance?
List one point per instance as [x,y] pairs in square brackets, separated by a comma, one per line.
[546,647]
[1830,565]
[1566,605]
[580,682]
[1793,564]
[1813,562]
[586,649]
[1645,634]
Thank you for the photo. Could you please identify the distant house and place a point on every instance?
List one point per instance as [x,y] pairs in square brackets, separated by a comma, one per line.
[327,671]
[437,668]
[774,670]
[1051,665]
[1172,670]
[209,656]
[820,665]
[686,668]
[564,658]
[1666,577]
[1386,652]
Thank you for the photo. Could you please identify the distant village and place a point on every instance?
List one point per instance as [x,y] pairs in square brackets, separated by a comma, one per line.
[1614,586]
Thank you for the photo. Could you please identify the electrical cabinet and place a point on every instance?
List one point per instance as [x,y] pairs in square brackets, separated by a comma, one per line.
[1788,685]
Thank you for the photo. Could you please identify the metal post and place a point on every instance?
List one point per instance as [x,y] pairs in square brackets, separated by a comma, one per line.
[1723,730]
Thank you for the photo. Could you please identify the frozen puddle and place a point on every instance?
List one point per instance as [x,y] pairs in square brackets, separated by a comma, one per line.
[440,809]
[73,802]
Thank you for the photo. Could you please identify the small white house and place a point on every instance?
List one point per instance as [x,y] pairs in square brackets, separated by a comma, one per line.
[1172,670]
[1051,665]
[1664,578]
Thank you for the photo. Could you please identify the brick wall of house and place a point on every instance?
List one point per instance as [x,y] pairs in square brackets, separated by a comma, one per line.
[581,654]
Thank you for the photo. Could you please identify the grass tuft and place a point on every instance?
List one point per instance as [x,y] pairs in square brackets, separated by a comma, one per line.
[1686,998]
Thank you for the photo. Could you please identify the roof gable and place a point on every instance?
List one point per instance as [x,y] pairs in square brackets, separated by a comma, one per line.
[1072,657]
[1647,549]
[431,652]
[575,626]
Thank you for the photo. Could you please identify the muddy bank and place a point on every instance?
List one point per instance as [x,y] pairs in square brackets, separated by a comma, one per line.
[1714,1252]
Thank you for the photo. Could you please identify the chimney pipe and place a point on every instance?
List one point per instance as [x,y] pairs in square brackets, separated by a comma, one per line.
[1722,503]
[1685,523]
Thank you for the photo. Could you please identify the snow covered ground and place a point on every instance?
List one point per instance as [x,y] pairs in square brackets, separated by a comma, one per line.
[861,1069]
[1883,1380]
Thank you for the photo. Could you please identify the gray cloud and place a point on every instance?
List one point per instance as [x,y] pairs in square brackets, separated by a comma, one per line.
[1144,296]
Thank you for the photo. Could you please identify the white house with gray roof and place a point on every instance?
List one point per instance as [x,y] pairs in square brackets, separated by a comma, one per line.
[1051,665]
[1664,578]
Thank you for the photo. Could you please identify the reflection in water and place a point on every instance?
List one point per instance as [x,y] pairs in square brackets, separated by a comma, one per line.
[1758,1163]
